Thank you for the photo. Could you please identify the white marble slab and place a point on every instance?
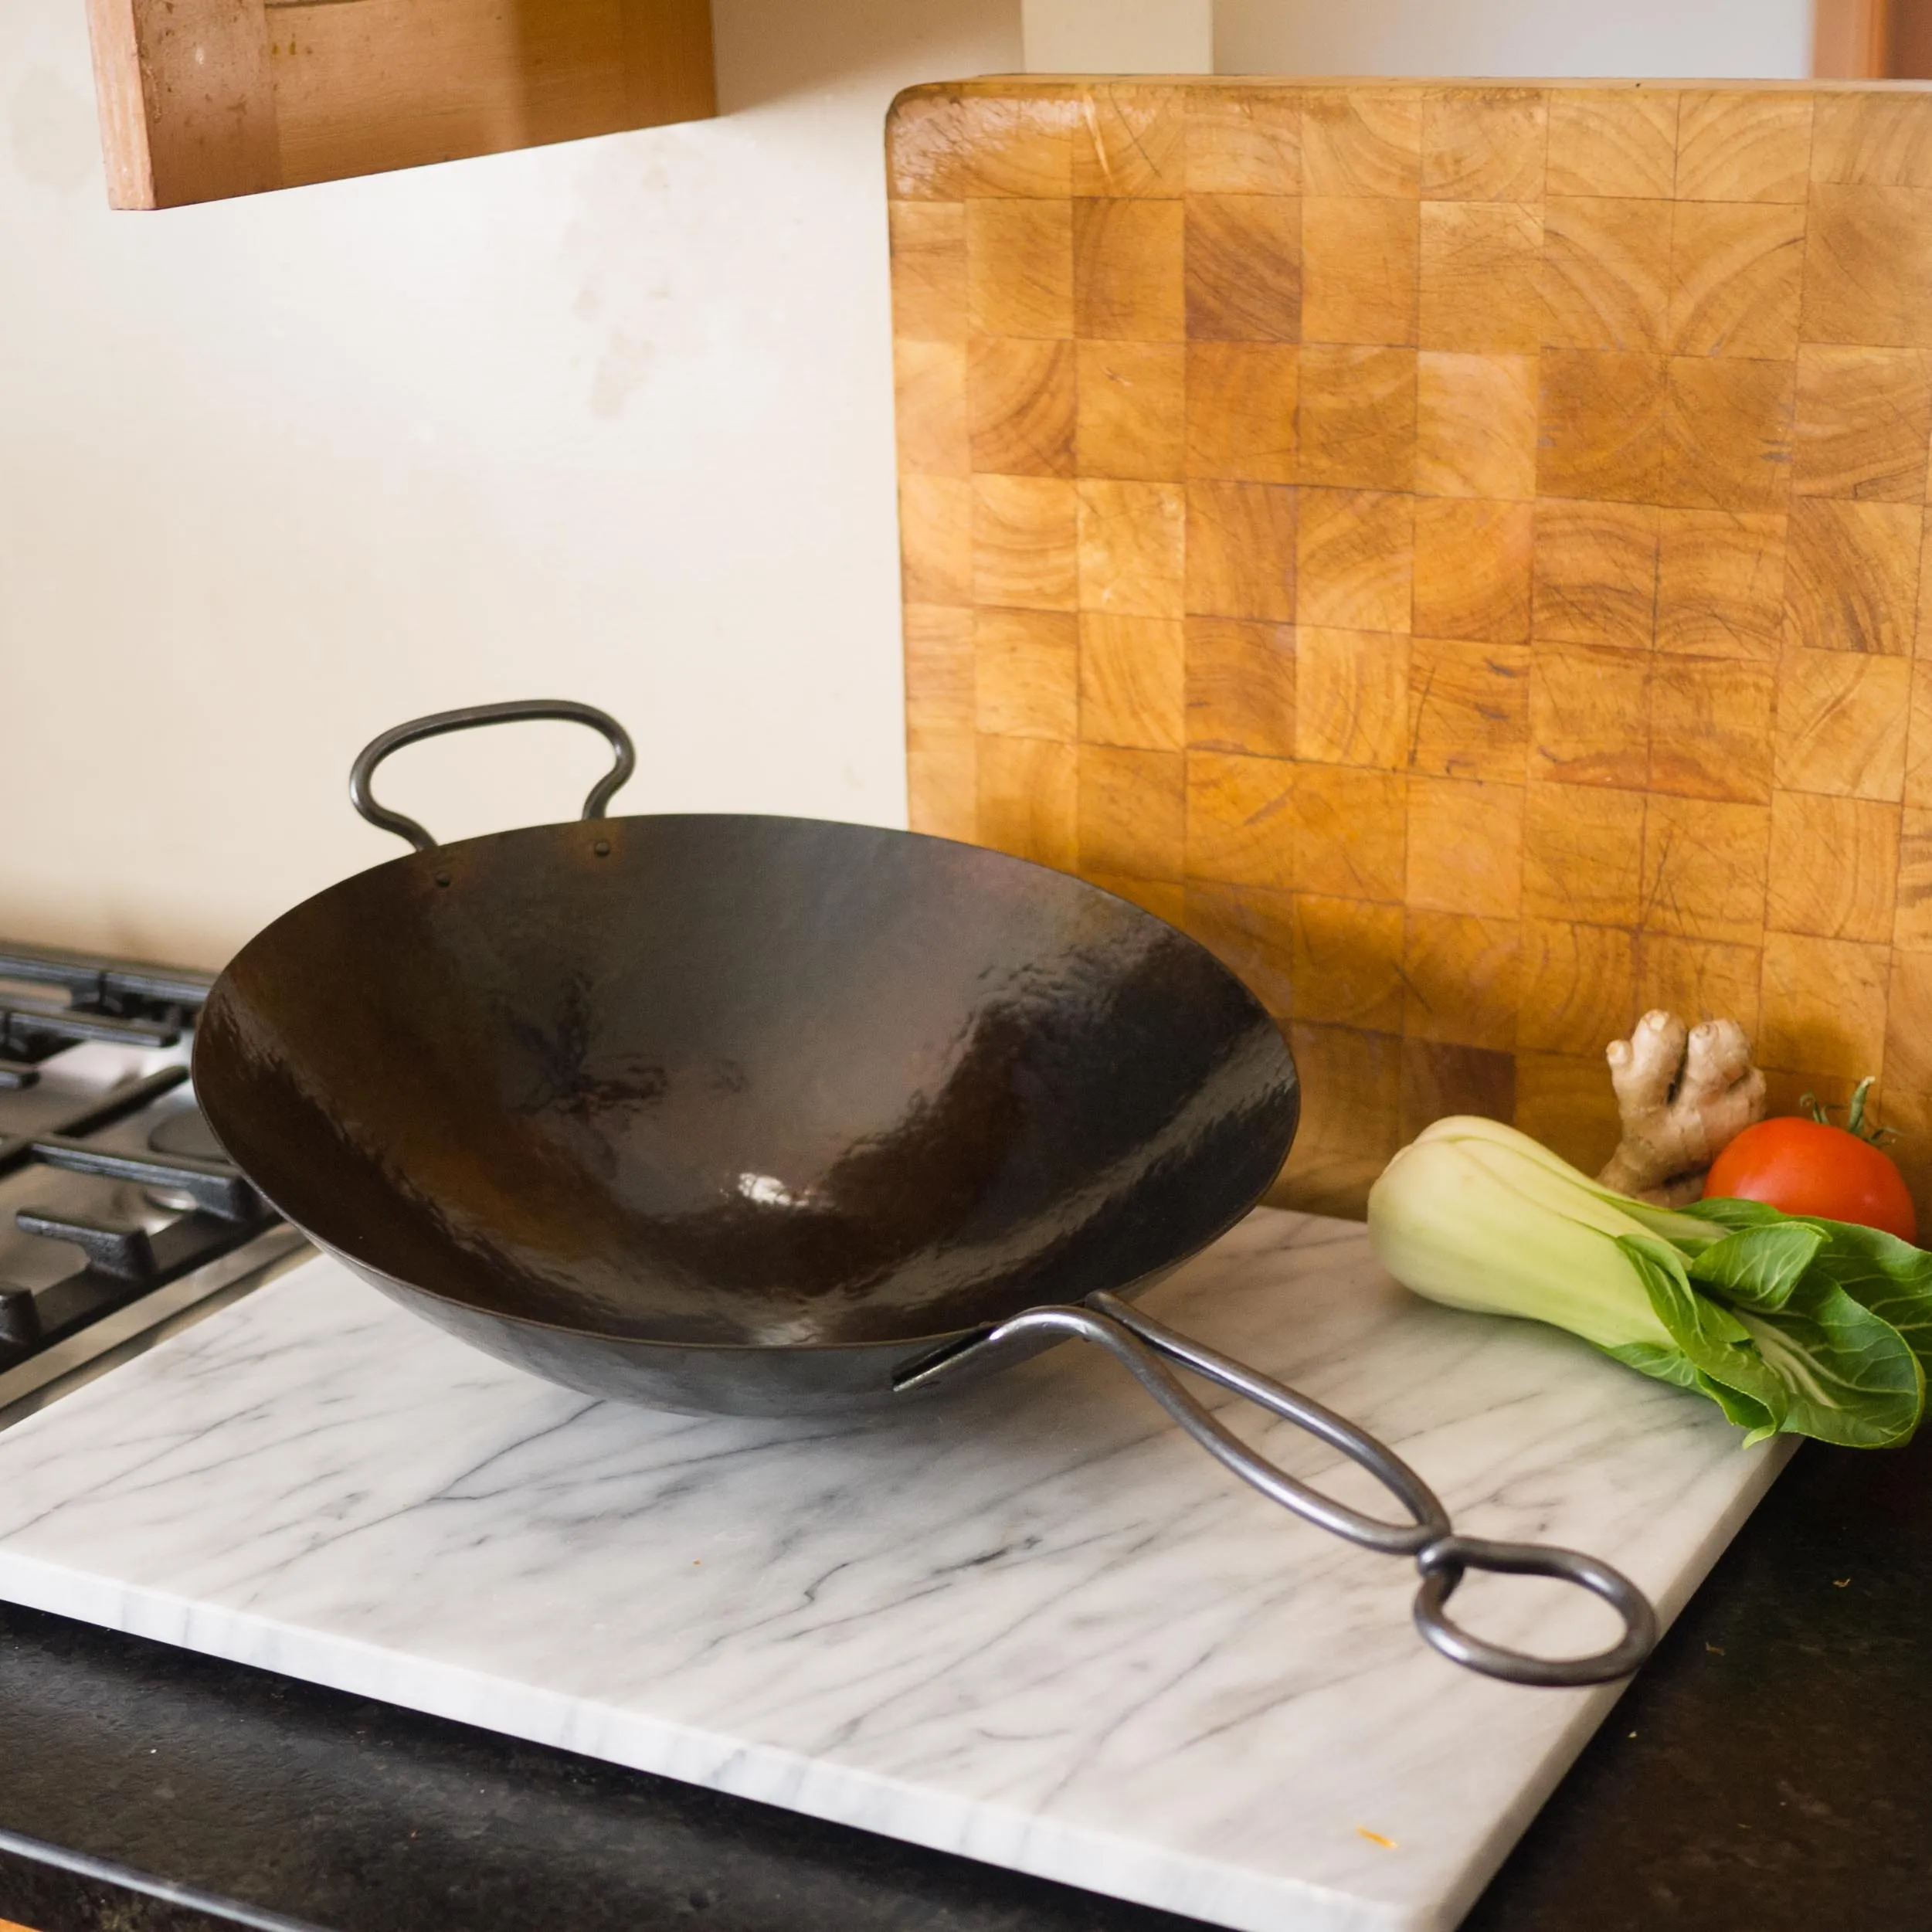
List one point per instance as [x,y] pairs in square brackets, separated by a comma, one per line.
[1033,1624]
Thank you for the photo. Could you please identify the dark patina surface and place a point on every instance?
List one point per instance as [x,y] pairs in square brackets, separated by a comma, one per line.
[739,1113]
[1779,1777]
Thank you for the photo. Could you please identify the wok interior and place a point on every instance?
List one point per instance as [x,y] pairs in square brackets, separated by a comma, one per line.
[739,1081]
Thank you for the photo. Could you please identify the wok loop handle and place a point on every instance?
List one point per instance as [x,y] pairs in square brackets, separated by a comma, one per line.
[515,711]
[1144,1347]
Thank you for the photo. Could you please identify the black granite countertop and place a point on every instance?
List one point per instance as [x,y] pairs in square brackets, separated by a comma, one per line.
[1770,1768]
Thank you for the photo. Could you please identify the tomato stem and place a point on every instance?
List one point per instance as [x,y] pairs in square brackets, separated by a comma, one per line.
[1856,1122]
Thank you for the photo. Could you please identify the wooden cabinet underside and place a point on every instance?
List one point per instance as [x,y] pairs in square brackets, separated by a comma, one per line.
[200,99]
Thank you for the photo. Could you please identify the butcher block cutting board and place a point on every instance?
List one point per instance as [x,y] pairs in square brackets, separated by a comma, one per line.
[1034,1624]
[1455,549]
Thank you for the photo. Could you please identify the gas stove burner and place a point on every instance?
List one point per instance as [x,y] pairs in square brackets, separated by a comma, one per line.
[187,1133]
[119,1211]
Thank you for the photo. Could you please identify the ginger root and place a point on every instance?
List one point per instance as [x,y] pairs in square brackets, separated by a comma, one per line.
[1683,1096]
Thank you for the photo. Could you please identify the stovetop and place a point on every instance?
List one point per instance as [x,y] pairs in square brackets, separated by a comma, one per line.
[119,1215]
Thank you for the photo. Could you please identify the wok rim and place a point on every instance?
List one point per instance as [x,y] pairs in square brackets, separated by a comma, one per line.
[430,859]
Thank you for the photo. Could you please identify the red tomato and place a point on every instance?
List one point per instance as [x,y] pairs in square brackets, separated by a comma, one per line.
[1806,1167]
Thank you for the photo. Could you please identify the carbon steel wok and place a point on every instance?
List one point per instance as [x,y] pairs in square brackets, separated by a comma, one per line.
[767,1116]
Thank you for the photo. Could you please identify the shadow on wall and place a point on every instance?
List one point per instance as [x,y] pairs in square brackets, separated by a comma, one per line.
[768,50]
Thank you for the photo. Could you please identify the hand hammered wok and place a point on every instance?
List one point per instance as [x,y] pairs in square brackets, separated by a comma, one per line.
[766,1116]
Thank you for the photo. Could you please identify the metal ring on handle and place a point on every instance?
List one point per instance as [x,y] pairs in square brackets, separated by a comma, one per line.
[1443,1565]
[515,711]
[1139,1343]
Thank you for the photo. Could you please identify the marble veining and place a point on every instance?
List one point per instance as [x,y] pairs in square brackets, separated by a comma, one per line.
[1031,1623]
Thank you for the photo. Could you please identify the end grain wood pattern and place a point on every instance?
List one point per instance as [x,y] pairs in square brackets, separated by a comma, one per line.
[1456,550]
[202,99]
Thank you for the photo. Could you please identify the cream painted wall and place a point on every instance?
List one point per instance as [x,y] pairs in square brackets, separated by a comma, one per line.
[1118,36]
[609,420]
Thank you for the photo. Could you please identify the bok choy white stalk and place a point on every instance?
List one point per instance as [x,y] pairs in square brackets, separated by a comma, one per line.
[1795,1326]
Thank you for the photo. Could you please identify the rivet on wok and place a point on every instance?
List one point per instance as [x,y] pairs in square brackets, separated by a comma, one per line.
[443,878]
[602,848]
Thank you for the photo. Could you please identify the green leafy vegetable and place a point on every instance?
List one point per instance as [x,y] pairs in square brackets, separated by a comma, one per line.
[1889,1277]
[1853,1378]
[1759,1267]
[1790,1325]
[1712,1339]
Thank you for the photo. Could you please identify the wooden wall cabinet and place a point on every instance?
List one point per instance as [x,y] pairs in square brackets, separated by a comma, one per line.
[1872,39]
[201,99]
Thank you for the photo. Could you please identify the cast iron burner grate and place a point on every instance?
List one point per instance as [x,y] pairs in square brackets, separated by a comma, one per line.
[192,1208]
[115,1000]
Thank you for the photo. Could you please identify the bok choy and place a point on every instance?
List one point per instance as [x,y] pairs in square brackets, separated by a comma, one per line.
[1789,1325]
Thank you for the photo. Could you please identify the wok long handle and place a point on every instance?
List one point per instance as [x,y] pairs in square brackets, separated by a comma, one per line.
[1145,1346]
[515,711]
